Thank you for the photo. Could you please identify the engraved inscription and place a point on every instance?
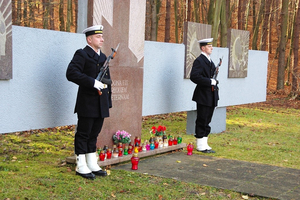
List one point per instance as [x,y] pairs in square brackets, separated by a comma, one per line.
[119,90]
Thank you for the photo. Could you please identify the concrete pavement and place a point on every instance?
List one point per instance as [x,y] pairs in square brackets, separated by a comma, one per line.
[251,178]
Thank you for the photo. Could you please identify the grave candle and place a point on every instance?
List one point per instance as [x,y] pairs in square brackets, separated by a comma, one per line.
[102,155]
[135,161]
[108,154]
[179,139]
[130,149]
[190,148]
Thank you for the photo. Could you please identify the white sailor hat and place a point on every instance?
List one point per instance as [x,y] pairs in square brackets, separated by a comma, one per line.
[206,41]
[97,29]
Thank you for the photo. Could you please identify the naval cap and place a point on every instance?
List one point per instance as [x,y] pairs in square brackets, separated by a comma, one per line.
[206,41]
[97,29]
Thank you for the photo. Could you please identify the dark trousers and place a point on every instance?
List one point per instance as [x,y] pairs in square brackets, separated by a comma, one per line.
[86,134]
[204,115]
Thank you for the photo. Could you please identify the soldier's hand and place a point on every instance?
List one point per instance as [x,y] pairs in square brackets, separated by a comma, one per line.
[213,82]
[98,85]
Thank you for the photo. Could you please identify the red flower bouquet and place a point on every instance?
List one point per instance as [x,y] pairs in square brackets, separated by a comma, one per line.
[159,131]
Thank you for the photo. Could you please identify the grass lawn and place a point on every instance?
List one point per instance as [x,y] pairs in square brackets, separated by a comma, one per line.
[32,163]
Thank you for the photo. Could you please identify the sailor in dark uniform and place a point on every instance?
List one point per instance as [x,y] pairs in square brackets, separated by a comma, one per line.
[205,95]
[91,108]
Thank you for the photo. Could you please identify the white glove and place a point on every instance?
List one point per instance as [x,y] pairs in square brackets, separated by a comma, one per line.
[98,85]
[213,82]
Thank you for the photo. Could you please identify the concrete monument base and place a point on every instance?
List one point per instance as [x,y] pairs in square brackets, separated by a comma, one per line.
[124,158]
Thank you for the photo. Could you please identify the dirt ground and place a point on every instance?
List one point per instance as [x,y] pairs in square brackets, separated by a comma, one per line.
[278,99]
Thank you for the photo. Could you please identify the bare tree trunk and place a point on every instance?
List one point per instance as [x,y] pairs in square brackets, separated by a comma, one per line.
[246,16]
[224,24]
[229,12]
[240,15]
[153,21]
[157,7]
[51,14]
[45,14]
[295,73]
[204,14]
[19,11]
[61,16]
[196,11]
[176,20]
[76,15]
[290,28]
[210,14]
[216,21]
[266,25]
[270,27]
[181,20]
[148,20]
[14,10]
[168,21]
[282,45]
[31,6]
[257,25]
[25,13]
[255,2]
[69,14]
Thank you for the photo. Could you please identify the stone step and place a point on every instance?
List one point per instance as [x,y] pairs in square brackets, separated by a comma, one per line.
[124,158]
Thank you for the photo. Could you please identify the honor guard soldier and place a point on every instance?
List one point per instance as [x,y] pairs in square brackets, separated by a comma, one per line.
[205,94]
[91,108]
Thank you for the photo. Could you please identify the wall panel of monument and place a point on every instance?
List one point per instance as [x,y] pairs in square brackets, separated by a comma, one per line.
[165,90]
[39,95]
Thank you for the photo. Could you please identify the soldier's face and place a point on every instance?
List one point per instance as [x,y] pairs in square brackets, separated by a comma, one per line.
[207,49]
[96,40]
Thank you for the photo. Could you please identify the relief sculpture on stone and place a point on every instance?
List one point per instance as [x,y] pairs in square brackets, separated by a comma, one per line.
[238,44]
[193,32]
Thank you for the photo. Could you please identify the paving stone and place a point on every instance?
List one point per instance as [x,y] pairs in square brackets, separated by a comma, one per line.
[245,177]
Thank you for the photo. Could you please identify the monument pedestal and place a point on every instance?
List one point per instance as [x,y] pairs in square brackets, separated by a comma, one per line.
[124,158]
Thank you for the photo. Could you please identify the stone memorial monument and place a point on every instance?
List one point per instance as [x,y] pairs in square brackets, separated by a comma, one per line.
[124,23]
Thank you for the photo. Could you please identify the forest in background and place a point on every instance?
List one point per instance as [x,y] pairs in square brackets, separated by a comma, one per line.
[274,26]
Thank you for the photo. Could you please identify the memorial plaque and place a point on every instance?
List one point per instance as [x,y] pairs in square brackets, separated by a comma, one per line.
[5,40]
[124,23]
[193,32]
[238,44]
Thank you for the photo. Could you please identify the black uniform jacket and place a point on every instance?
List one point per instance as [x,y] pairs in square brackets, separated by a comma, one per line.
[82,70]
[202,71]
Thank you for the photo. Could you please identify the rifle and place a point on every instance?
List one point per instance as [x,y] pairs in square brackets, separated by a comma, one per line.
[104,69]
[216,73]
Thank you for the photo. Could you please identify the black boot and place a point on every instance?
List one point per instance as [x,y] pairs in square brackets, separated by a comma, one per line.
[87,176]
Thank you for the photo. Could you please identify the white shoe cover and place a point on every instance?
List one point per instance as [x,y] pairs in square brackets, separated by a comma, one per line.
[201,145]
[207,147]
[81,165]
[91,160]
